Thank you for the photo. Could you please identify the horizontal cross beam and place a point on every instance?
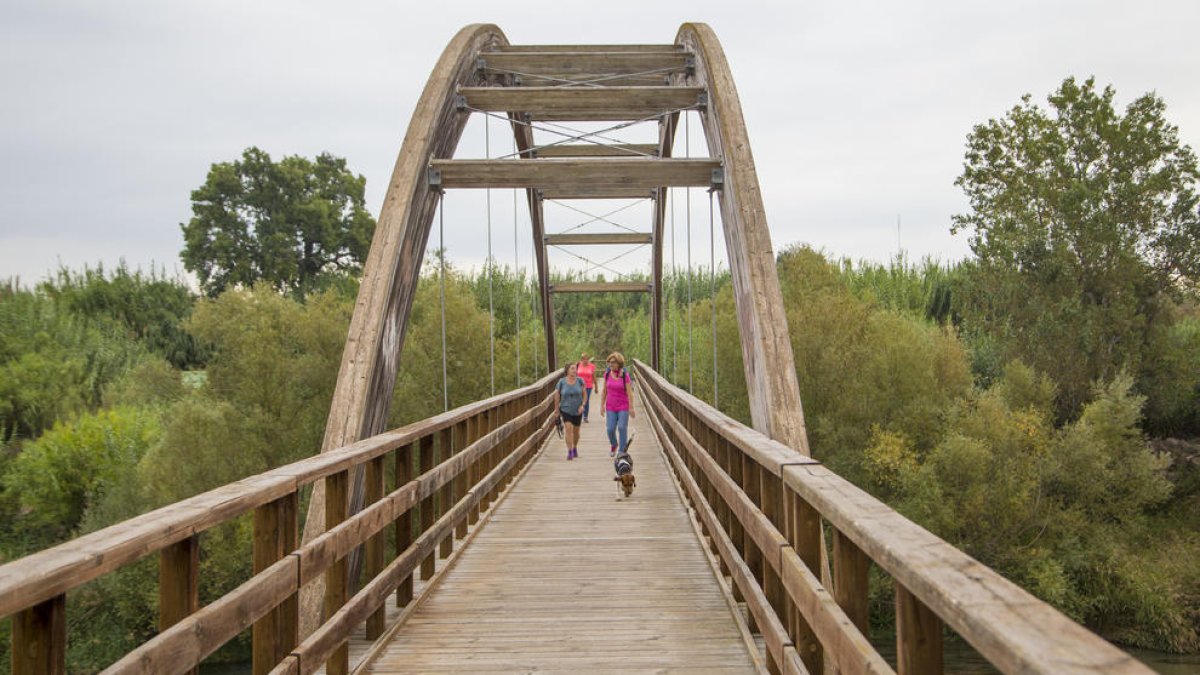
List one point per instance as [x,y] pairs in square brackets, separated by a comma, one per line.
[600,173]
[587,63]
[590,49]
[593,238]
[588,192]
[598,150]
[583,103]
[601,287]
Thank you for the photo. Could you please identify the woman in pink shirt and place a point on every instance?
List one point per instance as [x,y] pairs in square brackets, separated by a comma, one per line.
[586,372]
[616,402]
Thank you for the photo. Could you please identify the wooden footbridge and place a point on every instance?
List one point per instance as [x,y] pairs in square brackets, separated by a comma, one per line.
[480,548]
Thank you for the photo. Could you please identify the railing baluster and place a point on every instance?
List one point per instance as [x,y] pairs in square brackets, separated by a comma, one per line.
[448,441]
[464,480]
[804,533]
[337,577]
[850,580]
[275,535]
[918,636]
[178,583]
[375,545]
[404,524]
[428,564]
[39,639]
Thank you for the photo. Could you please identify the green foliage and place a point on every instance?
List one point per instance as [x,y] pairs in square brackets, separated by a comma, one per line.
[1084,221]
[291,224]
[54,481]
[150,306]
[269,383]
[860,367]
[925,290]
[53,363]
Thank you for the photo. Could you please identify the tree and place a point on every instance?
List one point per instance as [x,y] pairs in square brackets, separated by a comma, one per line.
[1085,222]
[289,223]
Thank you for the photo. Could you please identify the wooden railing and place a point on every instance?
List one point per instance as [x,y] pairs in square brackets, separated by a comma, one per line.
[764,508]
[447,469]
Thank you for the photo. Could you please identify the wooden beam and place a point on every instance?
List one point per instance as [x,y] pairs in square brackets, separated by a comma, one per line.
[666,139]
[179,585]
[576,174]
[598,238]
[523,136]
[582,103]
[767,358]
[601,287]
[39,638]
[590,64]
[576,49]
[588,192]
[627,150]
[363,394]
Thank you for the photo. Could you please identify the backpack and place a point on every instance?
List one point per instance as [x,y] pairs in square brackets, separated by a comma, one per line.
[624,371]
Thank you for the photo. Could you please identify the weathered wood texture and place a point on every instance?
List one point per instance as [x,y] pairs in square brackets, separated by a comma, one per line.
[363,393]
[597,238]
[583,103]
[766,348]
[592,173]
[523,137]
[576,49]
[598,150]
[601,287]
[935,582]
[566,577]
[601,192]
[666,141]
[586,62]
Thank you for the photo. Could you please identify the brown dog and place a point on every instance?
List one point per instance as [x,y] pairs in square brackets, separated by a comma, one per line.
[628,482]
[623,465]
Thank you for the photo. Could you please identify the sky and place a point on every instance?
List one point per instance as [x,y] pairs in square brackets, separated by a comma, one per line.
[112,113]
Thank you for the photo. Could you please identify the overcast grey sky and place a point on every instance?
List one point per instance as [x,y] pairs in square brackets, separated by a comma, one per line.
[112,112]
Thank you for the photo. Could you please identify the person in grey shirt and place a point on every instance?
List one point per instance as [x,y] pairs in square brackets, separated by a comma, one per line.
[568,399]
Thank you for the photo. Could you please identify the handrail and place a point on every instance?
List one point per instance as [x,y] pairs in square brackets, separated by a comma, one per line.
[765,511]
[479,446]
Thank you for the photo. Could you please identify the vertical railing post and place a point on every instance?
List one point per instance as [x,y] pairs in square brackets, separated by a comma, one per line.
[39,638]
[918,636]
[404,524]
[448,442]
[803,530]
[337,577]
[426,459]
[178,583]
[463,481]
[275,535]
[477,470]
[376,543]
[850,580]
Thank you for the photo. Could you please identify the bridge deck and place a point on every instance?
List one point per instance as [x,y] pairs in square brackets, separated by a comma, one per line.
[567,578]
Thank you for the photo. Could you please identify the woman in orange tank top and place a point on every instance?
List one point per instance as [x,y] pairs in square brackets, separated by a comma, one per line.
[587,373]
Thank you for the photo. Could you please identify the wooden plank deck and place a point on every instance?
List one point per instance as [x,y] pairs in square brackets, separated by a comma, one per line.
[566,577]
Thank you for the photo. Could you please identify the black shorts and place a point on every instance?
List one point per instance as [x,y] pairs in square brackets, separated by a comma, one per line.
[571,419]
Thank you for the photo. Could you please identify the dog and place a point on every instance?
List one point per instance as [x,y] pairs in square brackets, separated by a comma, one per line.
[623,465]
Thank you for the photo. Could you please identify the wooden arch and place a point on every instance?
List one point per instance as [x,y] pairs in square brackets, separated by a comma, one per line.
[471,73]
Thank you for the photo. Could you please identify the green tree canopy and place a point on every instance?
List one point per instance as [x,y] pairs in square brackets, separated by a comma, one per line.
[1084,221]
[288,223]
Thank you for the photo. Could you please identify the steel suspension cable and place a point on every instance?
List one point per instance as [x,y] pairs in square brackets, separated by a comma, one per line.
[517,276]
[675,296]
[487,149]
[687,153]
[712,277]
[442,253]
